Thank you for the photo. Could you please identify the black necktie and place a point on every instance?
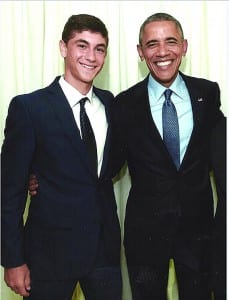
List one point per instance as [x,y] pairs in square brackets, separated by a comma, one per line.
[88,135]
[171,128]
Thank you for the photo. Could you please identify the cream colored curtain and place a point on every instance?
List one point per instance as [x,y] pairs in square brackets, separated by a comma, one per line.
[30,59]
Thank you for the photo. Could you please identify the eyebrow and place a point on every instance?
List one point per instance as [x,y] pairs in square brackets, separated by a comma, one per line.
[86,42]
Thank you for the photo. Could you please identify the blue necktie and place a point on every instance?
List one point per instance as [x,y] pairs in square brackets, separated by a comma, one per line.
[88,135]
[171,128]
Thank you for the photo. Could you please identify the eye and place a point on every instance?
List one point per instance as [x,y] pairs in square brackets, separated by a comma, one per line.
[81,46]
[152,45]
[101,50]
[172,42]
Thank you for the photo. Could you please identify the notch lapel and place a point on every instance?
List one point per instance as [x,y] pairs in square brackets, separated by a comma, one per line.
[107,105]
[64,115]
[198,103]
[145,119]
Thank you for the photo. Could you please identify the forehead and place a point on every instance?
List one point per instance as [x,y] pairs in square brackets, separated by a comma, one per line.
[161,29]
[88,36]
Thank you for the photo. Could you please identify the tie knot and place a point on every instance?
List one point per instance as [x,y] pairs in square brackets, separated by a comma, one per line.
[83,101]
[167,94]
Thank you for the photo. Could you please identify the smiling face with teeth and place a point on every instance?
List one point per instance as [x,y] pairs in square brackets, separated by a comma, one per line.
[84,56]
[162,47]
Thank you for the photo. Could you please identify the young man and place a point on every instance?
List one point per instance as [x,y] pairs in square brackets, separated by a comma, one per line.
[72,232]
[169,210]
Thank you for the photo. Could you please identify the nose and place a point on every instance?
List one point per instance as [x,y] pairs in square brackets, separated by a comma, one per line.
[90,55]
[162,49]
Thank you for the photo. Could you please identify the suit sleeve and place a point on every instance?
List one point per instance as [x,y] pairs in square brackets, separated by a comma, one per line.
[218,160]
[17,152]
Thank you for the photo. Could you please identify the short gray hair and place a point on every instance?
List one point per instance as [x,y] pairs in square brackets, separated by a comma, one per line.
[160,17]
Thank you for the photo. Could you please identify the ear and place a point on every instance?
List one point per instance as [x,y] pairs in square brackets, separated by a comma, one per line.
[140,53]
[63,48]
[185,46]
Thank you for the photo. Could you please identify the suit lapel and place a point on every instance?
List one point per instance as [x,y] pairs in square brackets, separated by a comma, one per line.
[147,124]
[64,115]
[100,94]
[145,119]
[198,103]
[144,115]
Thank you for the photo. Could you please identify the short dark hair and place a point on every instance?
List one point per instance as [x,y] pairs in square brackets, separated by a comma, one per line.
[81,22]
[160,17]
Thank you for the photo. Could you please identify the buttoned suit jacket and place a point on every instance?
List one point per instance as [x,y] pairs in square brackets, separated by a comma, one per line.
[168,213]
[73,208]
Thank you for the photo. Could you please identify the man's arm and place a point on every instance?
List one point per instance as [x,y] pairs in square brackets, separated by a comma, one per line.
[16,158]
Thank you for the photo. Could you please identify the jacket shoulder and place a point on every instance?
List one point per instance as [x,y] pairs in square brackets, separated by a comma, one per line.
[133,92]
[37,94]
[199,81]
[106,93]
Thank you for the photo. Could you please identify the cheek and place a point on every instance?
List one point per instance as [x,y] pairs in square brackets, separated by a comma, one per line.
[149,54]
[71,63]
[179,59]
[179,53]
[149,59]
[100,60]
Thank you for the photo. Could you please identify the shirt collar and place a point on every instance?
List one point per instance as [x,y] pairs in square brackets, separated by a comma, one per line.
[72,94]
[156,90]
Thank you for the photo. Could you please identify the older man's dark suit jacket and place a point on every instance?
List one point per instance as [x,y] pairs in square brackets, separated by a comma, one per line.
[73,208]
[169,213]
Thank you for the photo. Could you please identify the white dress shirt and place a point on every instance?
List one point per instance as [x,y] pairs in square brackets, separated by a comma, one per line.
[95,111]
[181,99]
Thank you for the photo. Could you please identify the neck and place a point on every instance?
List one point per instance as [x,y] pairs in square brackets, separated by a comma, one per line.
[82,87]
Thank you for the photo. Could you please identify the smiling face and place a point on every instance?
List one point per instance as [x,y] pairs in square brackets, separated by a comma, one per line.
[162,46]
[84,56]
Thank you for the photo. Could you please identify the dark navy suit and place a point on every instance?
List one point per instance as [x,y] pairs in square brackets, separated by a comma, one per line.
[73,209]
[169,213]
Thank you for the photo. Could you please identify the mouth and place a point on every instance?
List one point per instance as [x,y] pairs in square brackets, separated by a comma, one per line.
[163,63]
[87,66]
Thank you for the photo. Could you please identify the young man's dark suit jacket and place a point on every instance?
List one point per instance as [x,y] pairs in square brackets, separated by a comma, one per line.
[73,208]
[169,213]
